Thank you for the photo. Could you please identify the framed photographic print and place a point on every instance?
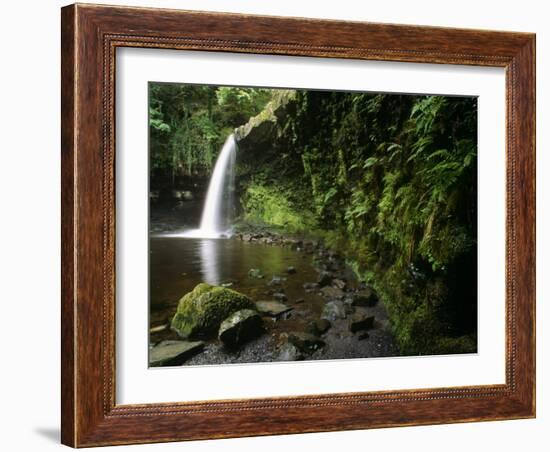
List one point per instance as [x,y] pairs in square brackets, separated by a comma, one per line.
[281,225]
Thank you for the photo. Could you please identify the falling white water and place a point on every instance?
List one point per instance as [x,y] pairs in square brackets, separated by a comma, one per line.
[214,220]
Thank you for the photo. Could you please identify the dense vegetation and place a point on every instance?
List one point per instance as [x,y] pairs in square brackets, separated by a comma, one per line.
[188,124]
[389,181]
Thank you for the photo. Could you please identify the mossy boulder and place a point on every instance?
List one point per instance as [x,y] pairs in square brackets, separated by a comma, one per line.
[201,311]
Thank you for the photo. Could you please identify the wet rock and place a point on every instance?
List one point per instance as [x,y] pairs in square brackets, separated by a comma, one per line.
[309,287]
[334,264]
[272,308]
[310,245]
[200,312]
[360,322]
[363,336]
[300,300]
[279,296]
[339,283]
[291,270]
[295,244]
[227,284]
[318,327]
[305,342]
[240,327]
[317,261]
[289,352]
[365,297]
[159,328]
[334,310]
[325,278]
[173,353]
[322,325]
[255,273]
[332,292]
[276,281]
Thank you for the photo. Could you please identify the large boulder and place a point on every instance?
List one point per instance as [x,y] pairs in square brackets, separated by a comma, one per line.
[240,327]
[201,311]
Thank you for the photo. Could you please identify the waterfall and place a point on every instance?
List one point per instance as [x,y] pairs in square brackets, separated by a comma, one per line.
[216,213]
[213,221]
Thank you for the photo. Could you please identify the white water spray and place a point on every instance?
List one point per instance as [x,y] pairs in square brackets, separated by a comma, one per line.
[215,215]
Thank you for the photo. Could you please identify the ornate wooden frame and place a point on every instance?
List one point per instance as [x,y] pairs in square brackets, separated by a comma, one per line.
[90,35]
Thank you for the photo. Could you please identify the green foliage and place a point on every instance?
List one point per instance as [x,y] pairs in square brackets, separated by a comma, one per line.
[272,205]
[189,123]
[390,181]
[239,104]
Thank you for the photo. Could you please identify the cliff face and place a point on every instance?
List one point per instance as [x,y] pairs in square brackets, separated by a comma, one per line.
[389,181]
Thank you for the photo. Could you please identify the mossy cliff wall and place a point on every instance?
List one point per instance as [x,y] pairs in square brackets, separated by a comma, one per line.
[389,181]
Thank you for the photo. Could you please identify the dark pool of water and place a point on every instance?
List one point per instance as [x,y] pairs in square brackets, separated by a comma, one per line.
[177,265]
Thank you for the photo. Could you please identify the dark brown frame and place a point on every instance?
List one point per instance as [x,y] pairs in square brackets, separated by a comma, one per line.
[90,35]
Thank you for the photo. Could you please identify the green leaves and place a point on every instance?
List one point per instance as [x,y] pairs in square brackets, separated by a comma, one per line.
[369,162]
[329,195]
[390,181]
[425,112]
[189,123]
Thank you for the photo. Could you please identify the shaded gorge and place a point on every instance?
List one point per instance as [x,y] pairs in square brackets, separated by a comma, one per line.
[347,221]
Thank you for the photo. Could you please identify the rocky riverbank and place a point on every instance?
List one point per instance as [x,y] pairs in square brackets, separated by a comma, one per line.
[332,316]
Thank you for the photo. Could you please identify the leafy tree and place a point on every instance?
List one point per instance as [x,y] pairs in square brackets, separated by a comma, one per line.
[189,123]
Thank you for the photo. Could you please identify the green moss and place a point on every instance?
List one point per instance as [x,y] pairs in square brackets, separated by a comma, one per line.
[272,206]
[201,311]
[389,182]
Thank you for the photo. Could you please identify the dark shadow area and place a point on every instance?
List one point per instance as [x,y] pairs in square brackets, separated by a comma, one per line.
[50,433]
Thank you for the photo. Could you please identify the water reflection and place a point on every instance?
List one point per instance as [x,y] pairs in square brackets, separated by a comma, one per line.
[177,265]
[210,263]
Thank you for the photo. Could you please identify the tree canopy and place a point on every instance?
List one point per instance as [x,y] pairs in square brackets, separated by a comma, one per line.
[189,123]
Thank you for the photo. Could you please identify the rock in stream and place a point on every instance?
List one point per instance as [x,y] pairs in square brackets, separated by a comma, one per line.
[173,353]
[240,327]
[201,311]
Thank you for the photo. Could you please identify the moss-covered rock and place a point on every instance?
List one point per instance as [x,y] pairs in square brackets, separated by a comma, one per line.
[201,311]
